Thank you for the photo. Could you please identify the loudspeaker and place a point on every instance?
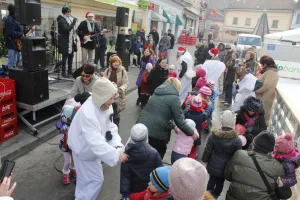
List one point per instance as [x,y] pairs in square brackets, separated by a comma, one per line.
[123,43]
[28,12]
[31,87]
[125,57]
[122,16]
[108,54]
[34,53]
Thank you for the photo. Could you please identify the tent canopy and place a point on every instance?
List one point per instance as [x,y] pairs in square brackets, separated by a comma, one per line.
[157,17]
[291,35]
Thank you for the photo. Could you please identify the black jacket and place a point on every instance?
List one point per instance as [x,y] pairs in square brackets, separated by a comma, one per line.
[12,31]
[220,147]
[201,54]
[172,40]
[157,77]
[211,46]
[102,42]
[83,31]
[64,29]
[143,159]
[230,75]
[155,36]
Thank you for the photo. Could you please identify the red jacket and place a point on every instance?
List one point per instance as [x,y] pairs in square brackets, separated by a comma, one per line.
[147,195]
[145,87]
[173,74]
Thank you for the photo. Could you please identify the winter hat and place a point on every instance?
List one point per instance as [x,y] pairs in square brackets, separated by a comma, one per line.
[200,72]
[240,128]
[284,144]
[139,133]
[65,9]
[190,123]
[89,14]
[227,46]
[253,104]
[82,97]
[205,92]
[211,84]
[214,52]
[160,178]
[102,91]
[201,82]
[265,142]
[196,104]
[149,66]
[188,179]
[181,49]
[228,119]
[11,9]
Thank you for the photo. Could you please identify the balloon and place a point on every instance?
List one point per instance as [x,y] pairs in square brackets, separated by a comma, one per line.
[243,139]
[240,128]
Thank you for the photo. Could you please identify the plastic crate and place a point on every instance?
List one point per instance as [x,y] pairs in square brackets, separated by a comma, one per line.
[7,88]
[8,132]
[8,119]
[8,105]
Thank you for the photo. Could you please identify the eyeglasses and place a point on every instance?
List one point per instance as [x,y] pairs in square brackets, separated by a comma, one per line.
[86,76]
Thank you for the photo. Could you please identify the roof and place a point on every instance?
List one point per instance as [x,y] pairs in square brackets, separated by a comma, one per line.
[264,4]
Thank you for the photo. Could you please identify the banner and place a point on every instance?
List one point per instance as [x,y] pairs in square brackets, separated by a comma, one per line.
[288,69]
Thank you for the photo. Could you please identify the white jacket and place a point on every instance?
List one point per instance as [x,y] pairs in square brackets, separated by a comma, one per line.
[214,69]
[87,133]
[6,198]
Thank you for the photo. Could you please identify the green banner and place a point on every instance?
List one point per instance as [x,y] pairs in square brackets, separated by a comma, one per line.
[119,3]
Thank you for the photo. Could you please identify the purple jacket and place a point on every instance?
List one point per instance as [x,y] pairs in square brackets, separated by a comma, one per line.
[143,69]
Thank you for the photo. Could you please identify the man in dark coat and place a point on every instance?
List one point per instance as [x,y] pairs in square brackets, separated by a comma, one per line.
[101,47]
[155,36]
[132,40]
[172,40]
[66,35]
[13,31]
[141,35]
[88,27]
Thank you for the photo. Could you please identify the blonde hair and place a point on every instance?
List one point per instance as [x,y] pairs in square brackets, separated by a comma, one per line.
[175,82]
[252,55]
[114,58]
[171,66]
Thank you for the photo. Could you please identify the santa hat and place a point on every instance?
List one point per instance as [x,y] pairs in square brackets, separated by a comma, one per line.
[214,52]
[181,49]
[89,14]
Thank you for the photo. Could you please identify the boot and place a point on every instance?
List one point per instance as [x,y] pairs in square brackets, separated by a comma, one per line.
[63,73]
[70,73]
[66,177]
[73,172]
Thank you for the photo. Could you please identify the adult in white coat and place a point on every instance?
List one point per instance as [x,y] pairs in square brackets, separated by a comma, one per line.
[93,138]
[185,66]
[214,69]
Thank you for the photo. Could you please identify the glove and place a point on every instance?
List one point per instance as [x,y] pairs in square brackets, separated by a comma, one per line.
[249,129]
[75,20]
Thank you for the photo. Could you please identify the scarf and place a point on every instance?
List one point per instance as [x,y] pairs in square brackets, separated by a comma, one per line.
[289,155]
[71,33]
[250,120]
[113,75]
[89,26]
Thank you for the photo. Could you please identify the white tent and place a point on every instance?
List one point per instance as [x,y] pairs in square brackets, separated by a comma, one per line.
[285,36]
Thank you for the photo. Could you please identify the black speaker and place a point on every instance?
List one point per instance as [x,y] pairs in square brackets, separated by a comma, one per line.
[125,57]
[122,16]
[31,87]
[34,53]
[108,54]
[123,43]
[28,12]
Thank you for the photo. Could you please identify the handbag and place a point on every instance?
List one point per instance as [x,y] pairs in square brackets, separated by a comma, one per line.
[279,193]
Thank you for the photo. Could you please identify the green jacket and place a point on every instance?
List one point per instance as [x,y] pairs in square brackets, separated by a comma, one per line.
[162,107]
[246,183]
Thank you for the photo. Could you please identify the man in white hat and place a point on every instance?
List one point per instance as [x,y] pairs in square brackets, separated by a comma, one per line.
[93,137]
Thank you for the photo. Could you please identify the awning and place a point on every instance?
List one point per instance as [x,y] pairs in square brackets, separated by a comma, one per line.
[179,20]
[121,3]
[157,17]
[169,17]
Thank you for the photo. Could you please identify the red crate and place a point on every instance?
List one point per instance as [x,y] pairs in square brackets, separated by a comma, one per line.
[8,132]
[8,105]
[7,88]
[8,119]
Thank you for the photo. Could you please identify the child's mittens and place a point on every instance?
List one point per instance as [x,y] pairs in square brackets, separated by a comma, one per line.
[279,182]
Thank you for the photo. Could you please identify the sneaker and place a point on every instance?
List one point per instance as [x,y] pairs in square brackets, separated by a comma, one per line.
[133,66]
[223,101]
[73,172]
[66,179]
[227,104]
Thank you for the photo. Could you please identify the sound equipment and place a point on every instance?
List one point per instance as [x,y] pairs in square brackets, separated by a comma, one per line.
[34,53]
[28,12]
[122,16]
[108,54]
[123,43]
[31,87]
[125,57]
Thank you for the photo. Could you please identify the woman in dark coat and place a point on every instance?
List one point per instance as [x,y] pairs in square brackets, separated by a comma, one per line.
[66,34]
[158,75]
[229,79]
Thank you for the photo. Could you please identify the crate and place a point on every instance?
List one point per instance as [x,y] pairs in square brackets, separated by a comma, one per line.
[7,88]
[8,132]
[8,105]
[8,119]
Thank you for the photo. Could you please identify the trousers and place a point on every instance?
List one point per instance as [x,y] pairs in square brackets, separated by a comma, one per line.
[215,185]
[159,145]
[66,57]
[87,55]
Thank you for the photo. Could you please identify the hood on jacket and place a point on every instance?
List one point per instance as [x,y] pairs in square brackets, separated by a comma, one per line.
[225,134]
[166,89]
[59,17]
[138,151]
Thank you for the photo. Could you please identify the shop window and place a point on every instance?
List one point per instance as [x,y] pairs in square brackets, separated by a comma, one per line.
[275,24]
[235,21]
[248,22]
[298,19]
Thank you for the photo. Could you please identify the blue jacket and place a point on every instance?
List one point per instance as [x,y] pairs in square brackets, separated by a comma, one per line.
[198,118]
[137,47]
[12,31]
[213,99]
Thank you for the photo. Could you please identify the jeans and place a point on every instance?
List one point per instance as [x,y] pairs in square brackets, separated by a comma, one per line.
[66,57]
[100,55]
[176,156]
[14,58]
[228,93]
[215,185]
[159,145]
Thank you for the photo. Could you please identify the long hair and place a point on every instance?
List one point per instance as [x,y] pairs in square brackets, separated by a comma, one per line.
[175,82]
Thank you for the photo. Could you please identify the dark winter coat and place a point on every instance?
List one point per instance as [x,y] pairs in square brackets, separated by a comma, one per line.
[194,81]
[163,107]
[230,75]
[102,42]
[222,53]
[143,159]
[132,42]
[12,31]
[141,35]
[83,30]
[157,77]
[246,183]
[228,55]
[201,54]
[64,29]
[220,147]
[250,64]
[198,118]
[155,36]
[172,40]
[211,46]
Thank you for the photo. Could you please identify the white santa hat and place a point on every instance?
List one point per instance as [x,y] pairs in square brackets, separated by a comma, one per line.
[181,49]
[89,14]
[214,52]
[103,90]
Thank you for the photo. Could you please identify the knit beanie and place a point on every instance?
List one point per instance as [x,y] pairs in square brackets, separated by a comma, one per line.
[190,123]
[253,104]
[228,119]
[211,84]
[205,92]
[160,178]
[82,97]
[149,66]
[284,144]
[200,72]
[65,9]
[265,142]
[201,82]
[139,133]
[188,179]
[196,104]
[102,91]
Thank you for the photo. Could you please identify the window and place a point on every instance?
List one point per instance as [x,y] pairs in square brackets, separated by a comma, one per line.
[275,24]
[298,19]
[235,21]
[248,22]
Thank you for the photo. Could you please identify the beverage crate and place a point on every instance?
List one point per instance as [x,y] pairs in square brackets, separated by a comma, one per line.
[7,88]
[8,132]
[8,119]
[8,105]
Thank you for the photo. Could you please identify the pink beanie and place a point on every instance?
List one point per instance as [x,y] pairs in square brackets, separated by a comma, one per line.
[205,90]
[200,72]
[188,179]
[284,144]
[201,82]
[211,84]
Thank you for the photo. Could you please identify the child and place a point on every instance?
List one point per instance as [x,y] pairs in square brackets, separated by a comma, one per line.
[200,79]
[172,72]
[145,87]
[220,147]
[213,96]
[158,186]
[183,143]
[288,156]
[137,52]
[142,159]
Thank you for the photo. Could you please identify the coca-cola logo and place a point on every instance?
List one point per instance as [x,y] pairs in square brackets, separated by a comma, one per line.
[10,119]
[6,93]
[9,134]
[7,107]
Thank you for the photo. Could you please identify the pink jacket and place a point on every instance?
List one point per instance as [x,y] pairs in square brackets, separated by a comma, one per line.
[183,143]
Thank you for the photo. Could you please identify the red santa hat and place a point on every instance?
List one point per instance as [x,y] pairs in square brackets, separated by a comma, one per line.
[213,52]
[89,14]
[181,49]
